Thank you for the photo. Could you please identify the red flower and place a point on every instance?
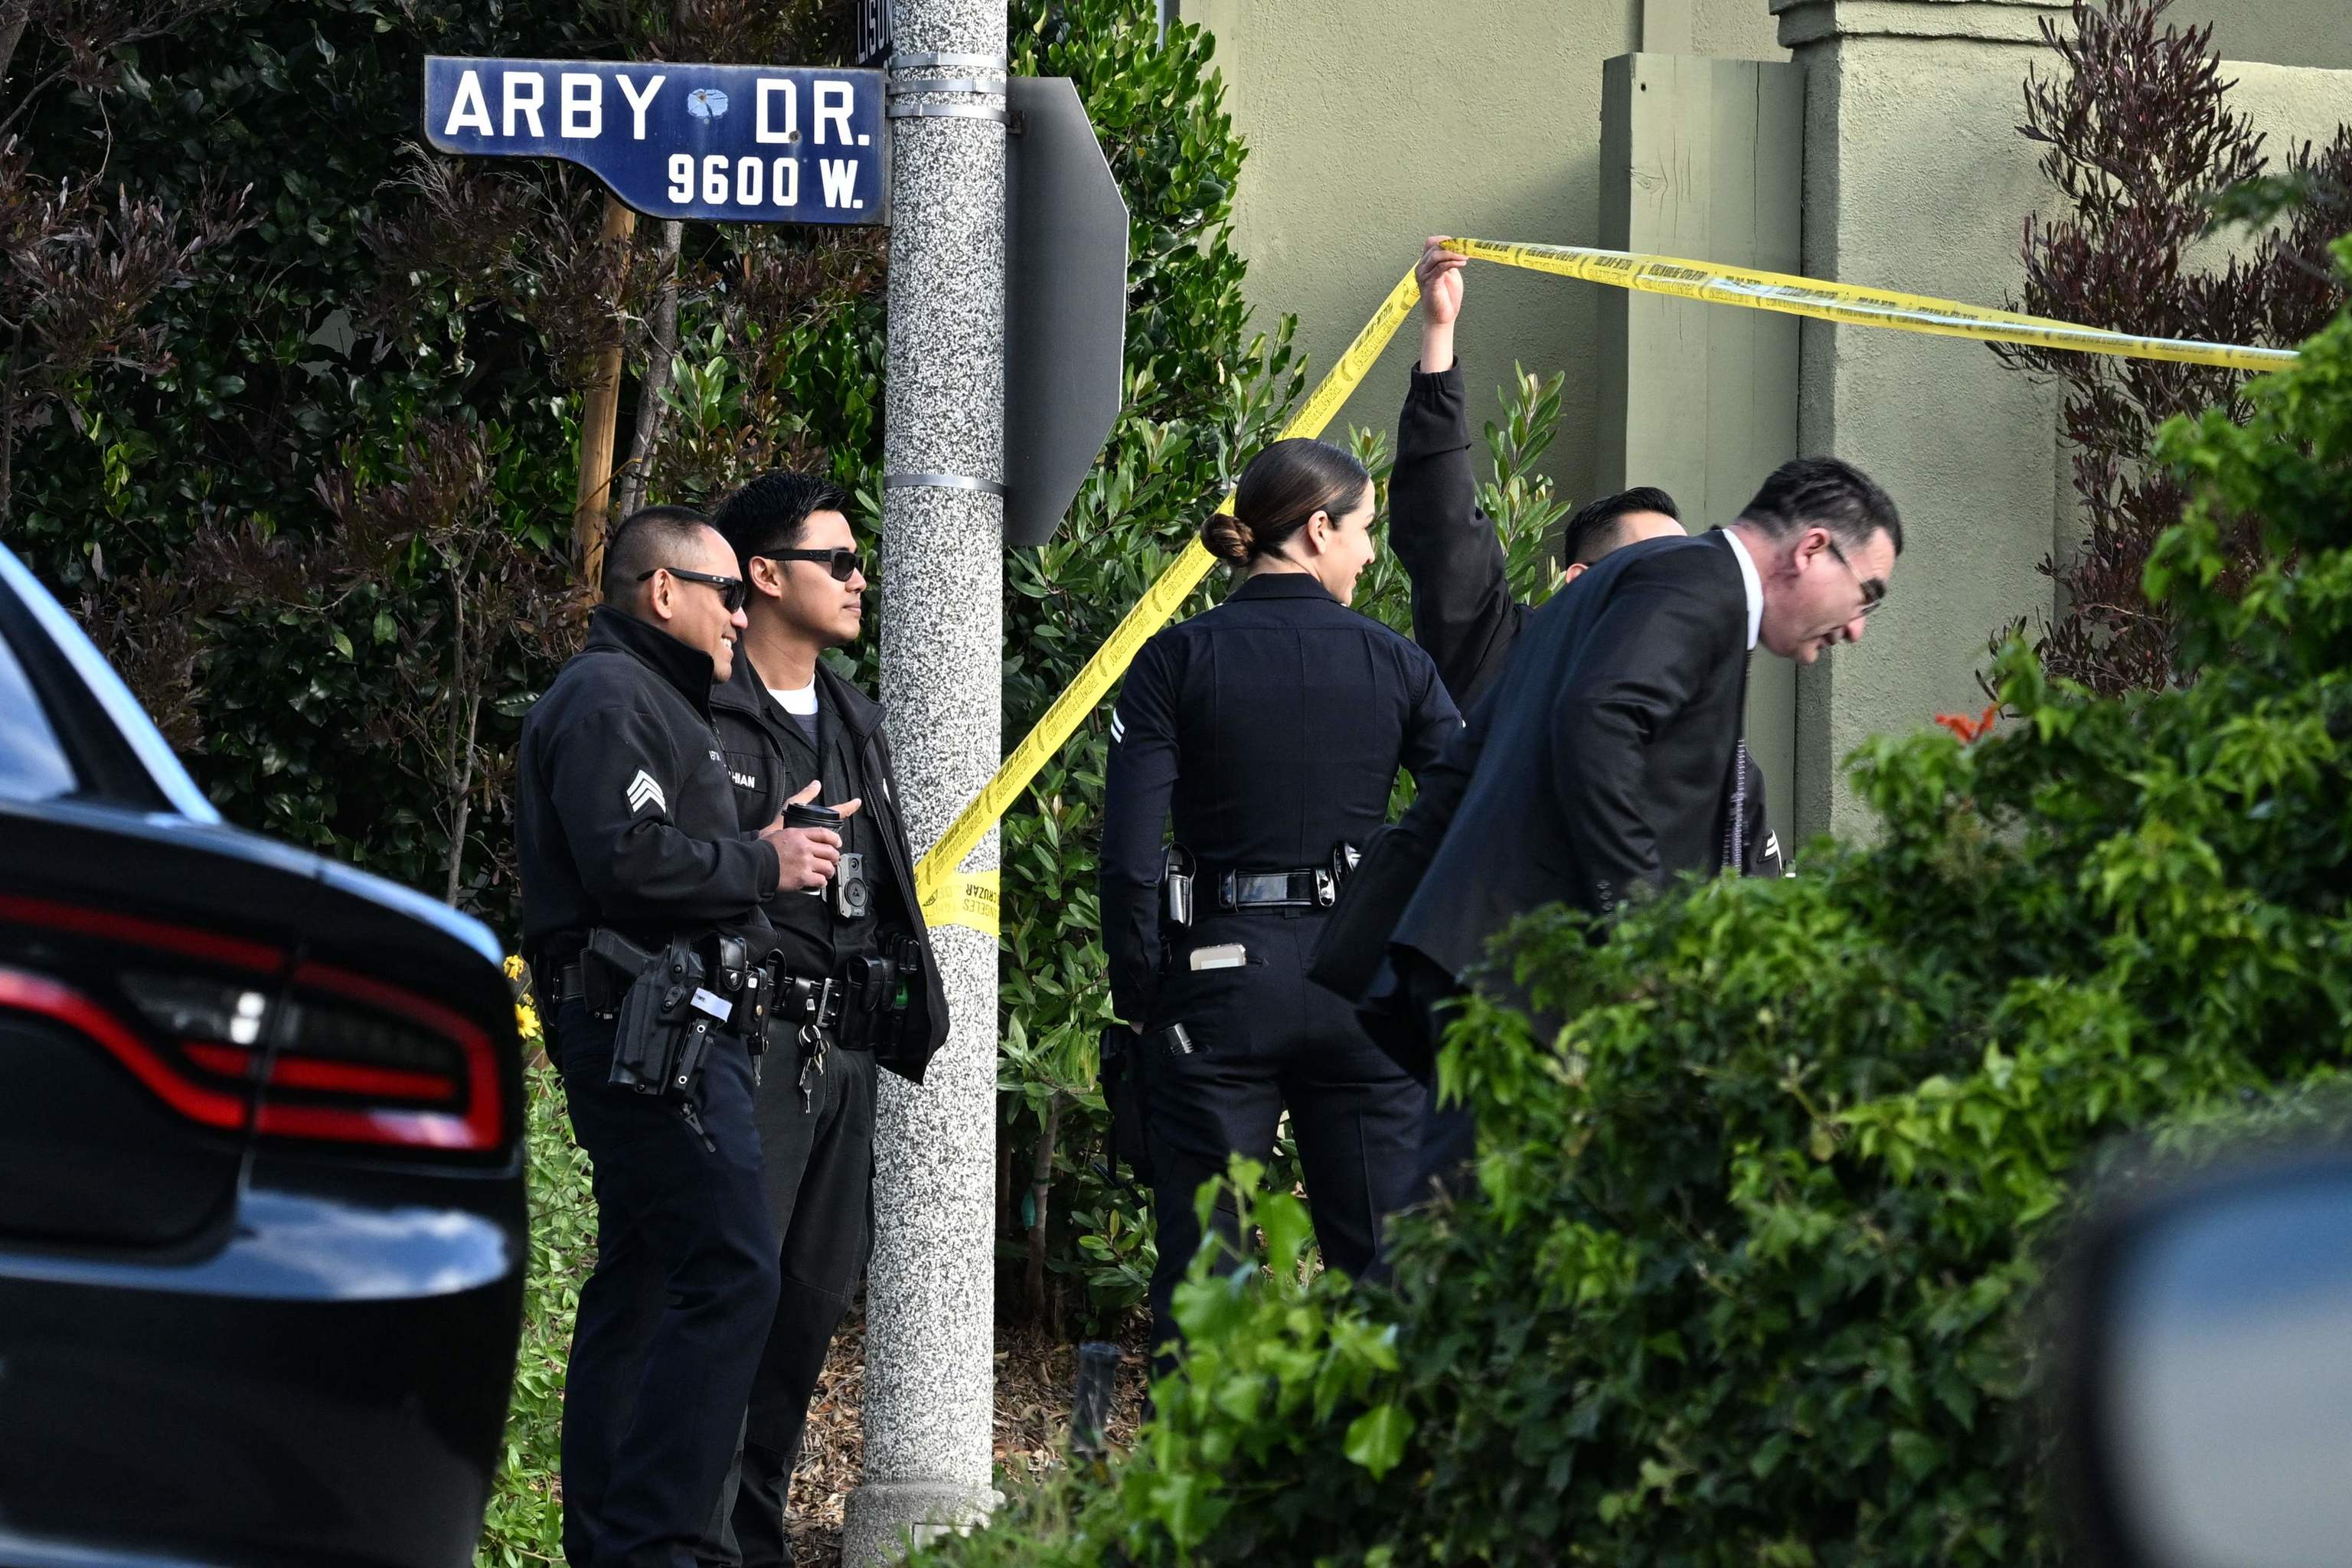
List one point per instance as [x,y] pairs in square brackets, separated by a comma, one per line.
[1970,731]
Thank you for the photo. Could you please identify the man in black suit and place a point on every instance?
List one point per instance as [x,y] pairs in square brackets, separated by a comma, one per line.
[1604,761]
[1463,611]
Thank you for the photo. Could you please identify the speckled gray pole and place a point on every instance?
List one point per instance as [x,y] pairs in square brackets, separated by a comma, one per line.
[931,1306]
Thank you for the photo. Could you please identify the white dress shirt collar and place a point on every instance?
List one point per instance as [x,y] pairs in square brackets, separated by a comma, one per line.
[1753,583]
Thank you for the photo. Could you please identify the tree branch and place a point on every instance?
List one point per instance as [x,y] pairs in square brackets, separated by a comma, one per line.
[661,352]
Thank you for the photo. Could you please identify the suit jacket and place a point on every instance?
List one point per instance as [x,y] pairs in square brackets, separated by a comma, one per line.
[1462,612]
[1601,761]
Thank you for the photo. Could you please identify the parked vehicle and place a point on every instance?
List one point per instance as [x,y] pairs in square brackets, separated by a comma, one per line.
[2206,1400]
[262,1225]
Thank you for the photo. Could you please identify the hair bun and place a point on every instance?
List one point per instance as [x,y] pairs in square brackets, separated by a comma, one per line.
[1227,537]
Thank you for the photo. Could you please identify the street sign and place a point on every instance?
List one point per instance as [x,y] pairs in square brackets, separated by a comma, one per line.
[1065,304]
[731,144]
[873,36]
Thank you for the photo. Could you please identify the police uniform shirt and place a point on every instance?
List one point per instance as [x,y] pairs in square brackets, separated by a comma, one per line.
[812,934]
[1270,729]
[624,816]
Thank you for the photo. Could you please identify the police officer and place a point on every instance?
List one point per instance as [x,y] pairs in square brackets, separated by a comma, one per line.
[628,836]
[854,985]
[1271,729]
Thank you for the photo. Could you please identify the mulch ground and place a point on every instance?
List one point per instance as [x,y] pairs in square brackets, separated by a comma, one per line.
[1037,1376]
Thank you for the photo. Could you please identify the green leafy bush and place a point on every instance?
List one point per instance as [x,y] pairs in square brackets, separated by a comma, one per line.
[1742,1279]
[524,1523]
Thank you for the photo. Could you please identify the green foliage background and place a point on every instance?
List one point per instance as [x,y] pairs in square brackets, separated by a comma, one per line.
[1747,1274]
[282,381]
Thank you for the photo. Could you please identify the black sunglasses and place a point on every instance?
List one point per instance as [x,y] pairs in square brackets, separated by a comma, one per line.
[731,589]
[843,565]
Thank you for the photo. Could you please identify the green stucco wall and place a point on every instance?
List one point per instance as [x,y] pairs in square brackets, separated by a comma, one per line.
[2274,32]
[1371,124]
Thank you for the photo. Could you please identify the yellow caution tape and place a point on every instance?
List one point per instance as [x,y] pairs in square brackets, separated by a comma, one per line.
[964,899]
[1856,306]
[950,898]
[1167,595]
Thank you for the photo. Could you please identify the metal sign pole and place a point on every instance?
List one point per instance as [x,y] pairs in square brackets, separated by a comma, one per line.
[930,1323]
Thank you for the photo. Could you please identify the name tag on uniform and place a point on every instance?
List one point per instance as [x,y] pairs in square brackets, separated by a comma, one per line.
[710,1002]
[1223,955]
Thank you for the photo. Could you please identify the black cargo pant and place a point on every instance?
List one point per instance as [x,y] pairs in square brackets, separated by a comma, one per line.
[1266,1040]
[671,1321]
[819,1155]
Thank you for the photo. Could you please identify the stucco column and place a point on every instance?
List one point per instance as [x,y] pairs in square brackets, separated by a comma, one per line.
[1916,179]
[930,1316]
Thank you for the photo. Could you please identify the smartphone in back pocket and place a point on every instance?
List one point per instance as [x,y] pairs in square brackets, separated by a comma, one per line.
[1221,955]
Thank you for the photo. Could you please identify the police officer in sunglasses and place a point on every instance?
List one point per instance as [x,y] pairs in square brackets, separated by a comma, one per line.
[628,828]
[856,989]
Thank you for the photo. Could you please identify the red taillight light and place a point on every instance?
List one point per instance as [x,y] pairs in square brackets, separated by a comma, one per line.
[354,1046]
[314,1052]
[39,995]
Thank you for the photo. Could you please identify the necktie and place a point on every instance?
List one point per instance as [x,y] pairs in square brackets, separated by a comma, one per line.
[1735,848]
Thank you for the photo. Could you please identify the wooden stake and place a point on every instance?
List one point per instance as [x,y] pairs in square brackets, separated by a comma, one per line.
[598,415]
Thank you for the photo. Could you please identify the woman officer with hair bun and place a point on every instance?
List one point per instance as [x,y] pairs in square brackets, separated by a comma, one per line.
[1270,729]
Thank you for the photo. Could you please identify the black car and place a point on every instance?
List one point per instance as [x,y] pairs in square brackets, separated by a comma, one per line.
[262,1229]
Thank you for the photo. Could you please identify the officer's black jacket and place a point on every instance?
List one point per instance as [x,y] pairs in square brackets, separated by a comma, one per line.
[1601,760]
[1271,728]
[1462,612]
[751,732]
[625,817]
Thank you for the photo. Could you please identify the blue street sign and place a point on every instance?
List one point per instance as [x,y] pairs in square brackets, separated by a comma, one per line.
[734,143]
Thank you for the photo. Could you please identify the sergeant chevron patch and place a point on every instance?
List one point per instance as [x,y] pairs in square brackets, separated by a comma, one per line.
[643,789]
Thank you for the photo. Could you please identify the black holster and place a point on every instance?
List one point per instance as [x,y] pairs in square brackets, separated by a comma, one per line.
[1378,885]
[663,1035]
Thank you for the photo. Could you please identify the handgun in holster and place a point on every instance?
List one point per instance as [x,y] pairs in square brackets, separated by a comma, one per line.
[608,964]
[669,1014]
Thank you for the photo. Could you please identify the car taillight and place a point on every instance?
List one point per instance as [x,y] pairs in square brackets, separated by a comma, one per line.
[367,1062]
[213,1105]
[332,1056]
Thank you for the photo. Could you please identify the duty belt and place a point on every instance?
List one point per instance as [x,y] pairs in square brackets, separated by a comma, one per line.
[566,983]
[812,1003]
[1308,888]
[852,1008]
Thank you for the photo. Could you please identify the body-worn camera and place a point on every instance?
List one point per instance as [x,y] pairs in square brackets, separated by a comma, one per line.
[852,896]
